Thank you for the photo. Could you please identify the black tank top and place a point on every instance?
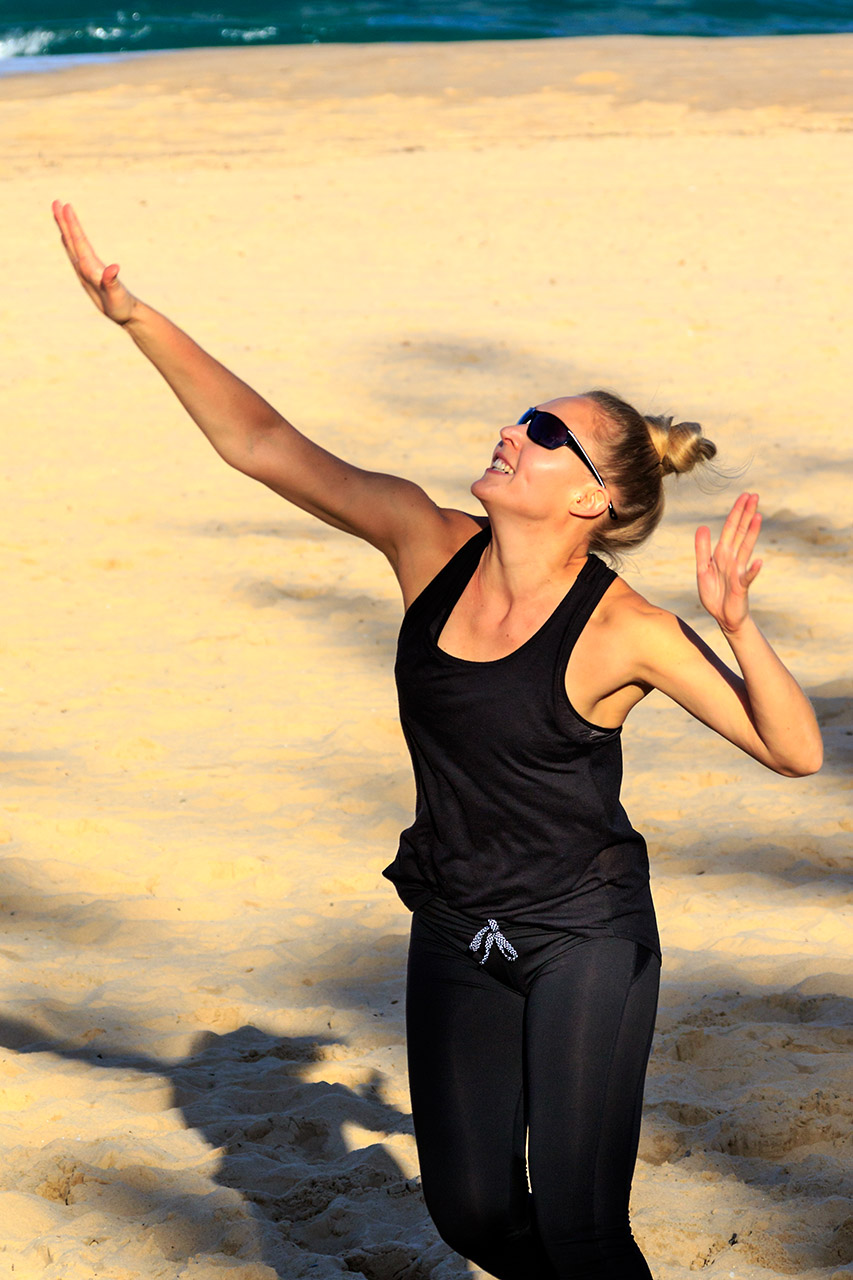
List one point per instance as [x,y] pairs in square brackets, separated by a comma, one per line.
[518,815]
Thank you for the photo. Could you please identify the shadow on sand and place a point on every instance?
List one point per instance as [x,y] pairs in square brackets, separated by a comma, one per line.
[294,1183]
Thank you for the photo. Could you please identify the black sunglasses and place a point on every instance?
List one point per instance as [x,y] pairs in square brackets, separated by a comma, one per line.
[551,432]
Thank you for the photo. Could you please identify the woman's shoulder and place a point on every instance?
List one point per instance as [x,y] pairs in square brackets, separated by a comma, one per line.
[622,603]
[608,672]
[625,617]
[425,560]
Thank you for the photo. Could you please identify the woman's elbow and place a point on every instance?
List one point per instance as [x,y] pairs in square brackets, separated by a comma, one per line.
[806,762]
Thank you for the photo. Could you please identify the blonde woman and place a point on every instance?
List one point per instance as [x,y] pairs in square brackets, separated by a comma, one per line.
[534,957]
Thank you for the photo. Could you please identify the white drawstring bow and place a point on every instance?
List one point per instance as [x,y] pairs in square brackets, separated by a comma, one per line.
[492,934]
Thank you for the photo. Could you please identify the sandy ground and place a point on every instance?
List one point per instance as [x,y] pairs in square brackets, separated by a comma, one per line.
[203,1071]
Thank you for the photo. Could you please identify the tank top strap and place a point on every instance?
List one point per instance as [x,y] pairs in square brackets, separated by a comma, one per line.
[433,606]
[580,604]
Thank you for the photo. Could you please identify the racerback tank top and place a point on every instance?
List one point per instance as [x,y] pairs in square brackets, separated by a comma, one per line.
[518,815]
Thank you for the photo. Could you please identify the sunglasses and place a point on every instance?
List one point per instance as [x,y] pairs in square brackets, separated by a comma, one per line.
[551,432]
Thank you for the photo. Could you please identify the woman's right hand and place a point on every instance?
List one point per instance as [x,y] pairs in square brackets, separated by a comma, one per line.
[394,515]
[101,283]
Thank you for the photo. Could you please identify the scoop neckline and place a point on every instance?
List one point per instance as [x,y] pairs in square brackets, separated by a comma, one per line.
[492,662]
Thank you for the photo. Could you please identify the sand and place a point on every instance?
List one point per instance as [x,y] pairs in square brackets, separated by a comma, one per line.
[203,1070]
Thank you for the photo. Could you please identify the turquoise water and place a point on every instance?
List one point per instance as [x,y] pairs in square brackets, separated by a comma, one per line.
[85,27]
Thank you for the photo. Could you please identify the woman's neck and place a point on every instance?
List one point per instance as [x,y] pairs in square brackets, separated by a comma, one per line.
[525,560]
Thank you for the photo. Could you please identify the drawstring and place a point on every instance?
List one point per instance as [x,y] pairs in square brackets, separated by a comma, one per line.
[492,933]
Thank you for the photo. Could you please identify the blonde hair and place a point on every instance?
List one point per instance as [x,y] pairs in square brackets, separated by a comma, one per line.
[634,452]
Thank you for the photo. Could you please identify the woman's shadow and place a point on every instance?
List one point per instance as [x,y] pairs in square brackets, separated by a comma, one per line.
[293,1192]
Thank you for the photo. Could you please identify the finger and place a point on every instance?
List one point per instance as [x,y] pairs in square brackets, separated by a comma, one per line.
[732,521]
[703,549]
[748,540]
[749,509]
[69,240]
[752,573]
[742,515]
[56,209]
[86,255]
[110,276]
[59,216]
[747,512]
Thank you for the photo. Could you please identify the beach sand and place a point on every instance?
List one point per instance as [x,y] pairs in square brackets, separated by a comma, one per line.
[203,1070]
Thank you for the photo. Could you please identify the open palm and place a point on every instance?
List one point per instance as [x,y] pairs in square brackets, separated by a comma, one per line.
[101,283]
[725,575]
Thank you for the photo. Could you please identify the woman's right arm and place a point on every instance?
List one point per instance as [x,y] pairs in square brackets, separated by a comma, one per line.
[393,514]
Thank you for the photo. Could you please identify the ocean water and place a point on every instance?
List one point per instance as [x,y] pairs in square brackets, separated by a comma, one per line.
[88,28]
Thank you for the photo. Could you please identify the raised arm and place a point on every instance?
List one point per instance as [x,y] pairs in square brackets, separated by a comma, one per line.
[763,710]
[393,514]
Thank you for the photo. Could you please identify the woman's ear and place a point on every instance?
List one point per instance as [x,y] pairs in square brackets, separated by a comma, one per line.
[588,502]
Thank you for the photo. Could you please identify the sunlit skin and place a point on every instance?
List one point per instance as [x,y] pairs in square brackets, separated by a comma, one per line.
[543,512]
[547,479]
[541,516]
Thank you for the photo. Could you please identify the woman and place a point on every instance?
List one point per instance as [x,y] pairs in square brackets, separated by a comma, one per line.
[534,958]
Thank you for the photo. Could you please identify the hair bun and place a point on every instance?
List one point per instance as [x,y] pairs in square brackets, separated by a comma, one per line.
[679,445]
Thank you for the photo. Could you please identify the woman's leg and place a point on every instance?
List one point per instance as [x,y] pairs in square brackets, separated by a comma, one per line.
[588,1030]
[465,1043]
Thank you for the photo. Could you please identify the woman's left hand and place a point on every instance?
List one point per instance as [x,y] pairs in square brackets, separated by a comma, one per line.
[725,575]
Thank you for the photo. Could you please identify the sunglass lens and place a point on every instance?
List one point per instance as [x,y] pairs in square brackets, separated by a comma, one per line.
[547,429]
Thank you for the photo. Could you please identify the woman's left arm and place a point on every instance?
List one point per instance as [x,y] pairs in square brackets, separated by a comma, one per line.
[764,711]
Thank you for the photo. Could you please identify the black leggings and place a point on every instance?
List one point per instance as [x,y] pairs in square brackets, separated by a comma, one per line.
[547,1050]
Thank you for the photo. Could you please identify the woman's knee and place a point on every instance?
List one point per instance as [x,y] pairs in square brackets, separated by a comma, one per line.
[596,1255]
[480,1228]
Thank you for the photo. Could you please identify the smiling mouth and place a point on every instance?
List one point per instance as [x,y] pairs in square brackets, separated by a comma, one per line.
[498,464]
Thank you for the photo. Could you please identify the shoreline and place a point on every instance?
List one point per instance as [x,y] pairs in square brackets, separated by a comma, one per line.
[708,73]
[297,104]
[46,64]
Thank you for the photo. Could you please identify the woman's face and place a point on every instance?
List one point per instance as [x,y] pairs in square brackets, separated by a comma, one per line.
[527,478]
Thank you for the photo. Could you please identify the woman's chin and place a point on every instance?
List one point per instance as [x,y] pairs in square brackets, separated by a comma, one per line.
[484,487]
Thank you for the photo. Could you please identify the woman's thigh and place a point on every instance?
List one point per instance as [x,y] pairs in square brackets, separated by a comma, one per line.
[562,1045]
[465,1041]
[588,1031]
[465,1037]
